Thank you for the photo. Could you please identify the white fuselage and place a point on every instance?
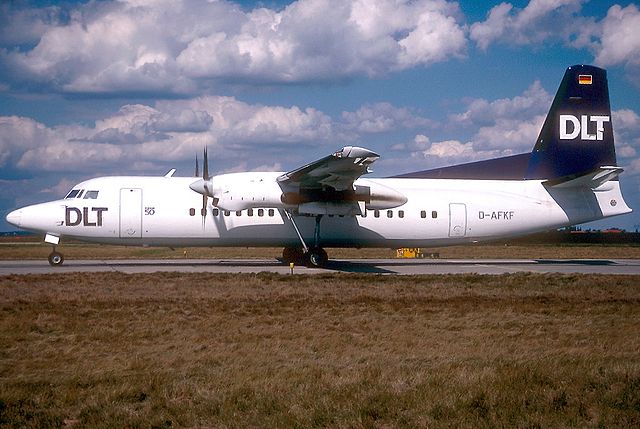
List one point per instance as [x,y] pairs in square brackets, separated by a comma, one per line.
[163,211]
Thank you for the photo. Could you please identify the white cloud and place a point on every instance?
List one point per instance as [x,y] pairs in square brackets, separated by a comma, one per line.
[175,47]
[510,135]
[626,128]
[538,21]
[169,131]
[18,134]
[619,41]
[424,154]
[534,101]
[381,117]
[613,40]
[510,125]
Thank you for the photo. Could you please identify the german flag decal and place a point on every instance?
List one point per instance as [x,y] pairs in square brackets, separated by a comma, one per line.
[585,79]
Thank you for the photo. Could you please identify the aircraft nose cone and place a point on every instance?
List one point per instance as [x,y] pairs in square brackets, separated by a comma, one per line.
[15,218]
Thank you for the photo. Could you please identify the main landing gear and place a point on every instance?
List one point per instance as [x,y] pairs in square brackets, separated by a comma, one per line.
[314,256]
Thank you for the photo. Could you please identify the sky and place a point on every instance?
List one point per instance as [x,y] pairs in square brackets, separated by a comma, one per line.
[137,87]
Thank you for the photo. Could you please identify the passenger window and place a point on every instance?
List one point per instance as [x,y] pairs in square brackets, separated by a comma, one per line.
[192,212]
[74,193]
[376,213]
[260,212]
[227,213]
[423,214]
[91,195]
[389,214]
[250,212]
[401,214]
[215,212]
[434,214]
[271,212]
[239,213]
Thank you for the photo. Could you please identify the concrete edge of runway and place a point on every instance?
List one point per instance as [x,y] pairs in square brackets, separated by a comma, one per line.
[374,266]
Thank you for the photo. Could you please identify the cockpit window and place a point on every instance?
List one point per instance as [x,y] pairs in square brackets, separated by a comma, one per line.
[91,195]
[74,193]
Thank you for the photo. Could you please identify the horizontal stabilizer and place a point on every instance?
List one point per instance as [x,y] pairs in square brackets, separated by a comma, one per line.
[591,180]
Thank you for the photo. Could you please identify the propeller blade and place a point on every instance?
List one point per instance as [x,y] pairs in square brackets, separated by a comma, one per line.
[202,185]
[203,212]
[205,177]
[205,166]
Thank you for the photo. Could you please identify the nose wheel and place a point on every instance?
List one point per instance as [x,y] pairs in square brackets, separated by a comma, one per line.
[55,258]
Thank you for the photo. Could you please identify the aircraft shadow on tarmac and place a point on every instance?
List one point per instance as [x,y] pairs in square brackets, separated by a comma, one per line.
[357,267]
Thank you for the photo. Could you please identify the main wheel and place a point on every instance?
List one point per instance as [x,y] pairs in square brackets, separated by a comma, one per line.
[318,257]
[55,259]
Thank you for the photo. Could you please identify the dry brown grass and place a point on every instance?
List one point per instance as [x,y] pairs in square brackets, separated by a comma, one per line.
[34,250]
[330,350]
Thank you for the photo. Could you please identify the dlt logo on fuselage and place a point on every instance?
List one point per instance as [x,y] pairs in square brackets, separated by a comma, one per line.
[580,127]
[74,216]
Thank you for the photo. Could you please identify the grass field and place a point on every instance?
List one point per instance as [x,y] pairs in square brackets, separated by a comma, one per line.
[331,350]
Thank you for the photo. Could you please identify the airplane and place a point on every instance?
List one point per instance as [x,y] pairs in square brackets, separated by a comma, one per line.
[570,177]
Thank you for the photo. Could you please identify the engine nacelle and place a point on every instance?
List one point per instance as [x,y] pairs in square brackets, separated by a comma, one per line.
[377,196]
[240,191]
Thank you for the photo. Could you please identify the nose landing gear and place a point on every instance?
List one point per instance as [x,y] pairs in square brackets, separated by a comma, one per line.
[55,258]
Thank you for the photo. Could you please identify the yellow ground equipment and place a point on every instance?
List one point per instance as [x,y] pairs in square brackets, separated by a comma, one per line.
[409,253]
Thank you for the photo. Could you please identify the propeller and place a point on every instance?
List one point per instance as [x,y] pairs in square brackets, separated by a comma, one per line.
[205,178]
[202,186]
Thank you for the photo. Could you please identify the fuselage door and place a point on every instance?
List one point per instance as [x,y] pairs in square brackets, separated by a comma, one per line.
[457,220]
[130,213]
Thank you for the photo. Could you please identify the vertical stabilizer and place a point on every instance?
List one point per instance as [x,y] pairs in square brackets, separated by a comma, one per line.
[577,136]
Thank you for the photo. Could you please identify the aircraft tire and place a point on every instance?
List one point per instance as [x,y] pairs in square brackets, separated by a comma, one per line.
[55,259]
[318,257]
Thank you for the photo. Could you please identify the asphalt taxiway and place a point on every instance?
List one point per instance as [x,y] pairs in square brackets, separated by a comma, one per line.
[379,266]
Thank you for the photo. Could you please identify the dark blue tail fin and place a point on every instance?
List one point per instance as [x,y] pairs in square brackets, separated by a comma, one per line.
[577,136]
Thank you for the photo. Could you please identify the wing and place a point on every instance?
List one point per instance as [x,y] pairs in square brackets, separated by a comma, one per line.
[326,186]
[335,172]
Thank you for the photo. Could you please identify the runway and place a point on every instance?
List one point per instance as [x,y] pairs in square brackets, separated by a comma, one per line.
[375,266]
